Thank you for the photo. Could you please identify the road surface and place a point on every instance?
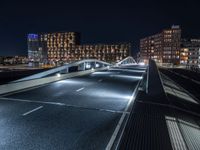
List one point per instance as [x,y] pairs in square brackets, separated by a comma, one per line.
[77,113]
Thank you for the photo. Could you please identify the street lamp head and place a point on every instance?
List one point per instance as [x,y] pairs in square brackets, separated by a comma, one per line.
[58,74]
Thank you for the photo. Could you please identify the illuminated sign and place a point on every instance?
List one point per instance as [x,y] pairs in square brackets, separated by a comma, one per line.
[33,36]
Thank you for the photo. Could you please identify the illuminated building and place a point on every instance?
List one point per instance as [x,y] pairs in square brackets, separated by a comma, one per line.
[184,52]
[163,47]
[193,46]
[105,52]
[61,47]
[36,51]
[13,60]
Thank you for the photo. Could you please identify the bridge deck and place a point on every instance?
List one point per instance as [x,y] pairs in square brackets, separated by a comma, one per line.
[77,113]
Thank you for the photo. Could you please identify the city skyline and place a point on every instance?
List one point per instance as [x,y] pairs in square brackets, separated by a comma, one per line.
[100,75]
[61,47]
[99,22]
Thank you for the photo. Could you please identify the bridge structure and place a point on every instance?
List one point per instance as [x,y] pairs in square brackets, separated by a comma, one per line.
[91,104]
[81,65]
[127,61]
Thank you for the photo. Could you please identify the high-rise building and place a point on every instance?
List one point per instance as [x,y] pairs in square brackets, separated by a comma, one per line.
[60,47]
[163,47]
[34,55]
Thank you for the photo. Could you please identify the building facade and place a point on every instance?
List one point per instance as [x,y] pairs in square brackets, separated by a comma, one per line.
[105,52]
[63,47]
[37,53]
[163,47]
[184,55]
[13,60]
[193,51]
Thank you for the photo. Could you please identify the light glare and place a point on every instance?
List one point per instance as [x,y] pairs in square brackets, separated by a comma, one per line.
[58,74]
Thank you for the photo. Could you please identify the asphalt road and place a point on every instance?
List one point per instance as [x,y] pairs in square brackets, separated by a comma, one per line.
[77,113]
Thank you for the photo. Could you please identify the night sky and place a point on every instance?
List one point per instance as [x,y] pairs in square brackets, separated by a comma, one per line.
[104,21]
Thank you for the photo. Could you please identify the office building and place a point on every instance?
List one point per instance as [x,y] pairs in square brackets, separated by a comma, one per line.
[193,48]
[105,52]
[163,47]
[64,47]
[35,53]
[184,55]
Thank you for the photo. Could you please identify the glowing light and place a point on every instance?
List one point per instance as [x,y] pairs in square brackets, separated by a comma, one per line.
[128,77]
[58,74]
[109,95]
[97,65]
[102,73]
[129,70]
[32,36]
[142,63]
[87,66]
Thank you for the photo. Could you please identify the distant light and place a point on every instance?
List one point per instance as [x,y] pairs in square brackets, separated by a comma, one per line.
[127,76]
[108,67]
[58,74]
[141,63]
[88,66]
[97,65]
[33,36]
[92,69]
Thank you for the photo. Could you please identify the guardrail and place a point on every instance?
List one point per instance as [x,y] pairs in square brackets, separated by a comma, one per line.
[17,86]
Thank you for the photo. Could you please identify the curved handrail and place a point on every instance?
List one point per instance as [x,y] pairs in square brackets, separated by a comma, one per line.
[129,60]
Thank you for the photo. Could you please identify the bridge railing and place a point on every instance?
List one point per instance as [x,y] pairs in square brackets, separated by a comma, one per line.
[127,61]
[27,84]
[82,65]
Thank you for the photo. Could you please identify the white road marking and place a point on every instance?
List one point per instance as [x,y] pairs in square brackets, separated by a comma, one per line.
[80,89]
[30,101]
[40,107]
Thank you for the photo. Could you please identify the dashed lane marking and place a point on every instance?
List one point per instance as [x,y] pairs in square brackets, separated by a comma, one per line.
[33,110]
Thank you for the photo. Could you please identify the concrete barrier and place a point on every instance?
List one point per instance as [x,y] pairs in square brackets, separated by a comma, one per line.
[16,86]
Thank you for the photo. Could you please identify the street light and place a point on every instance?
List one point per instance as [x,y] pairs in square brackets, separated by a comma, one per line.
[141,63]
[58,74]
[88,66]
[97,65]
